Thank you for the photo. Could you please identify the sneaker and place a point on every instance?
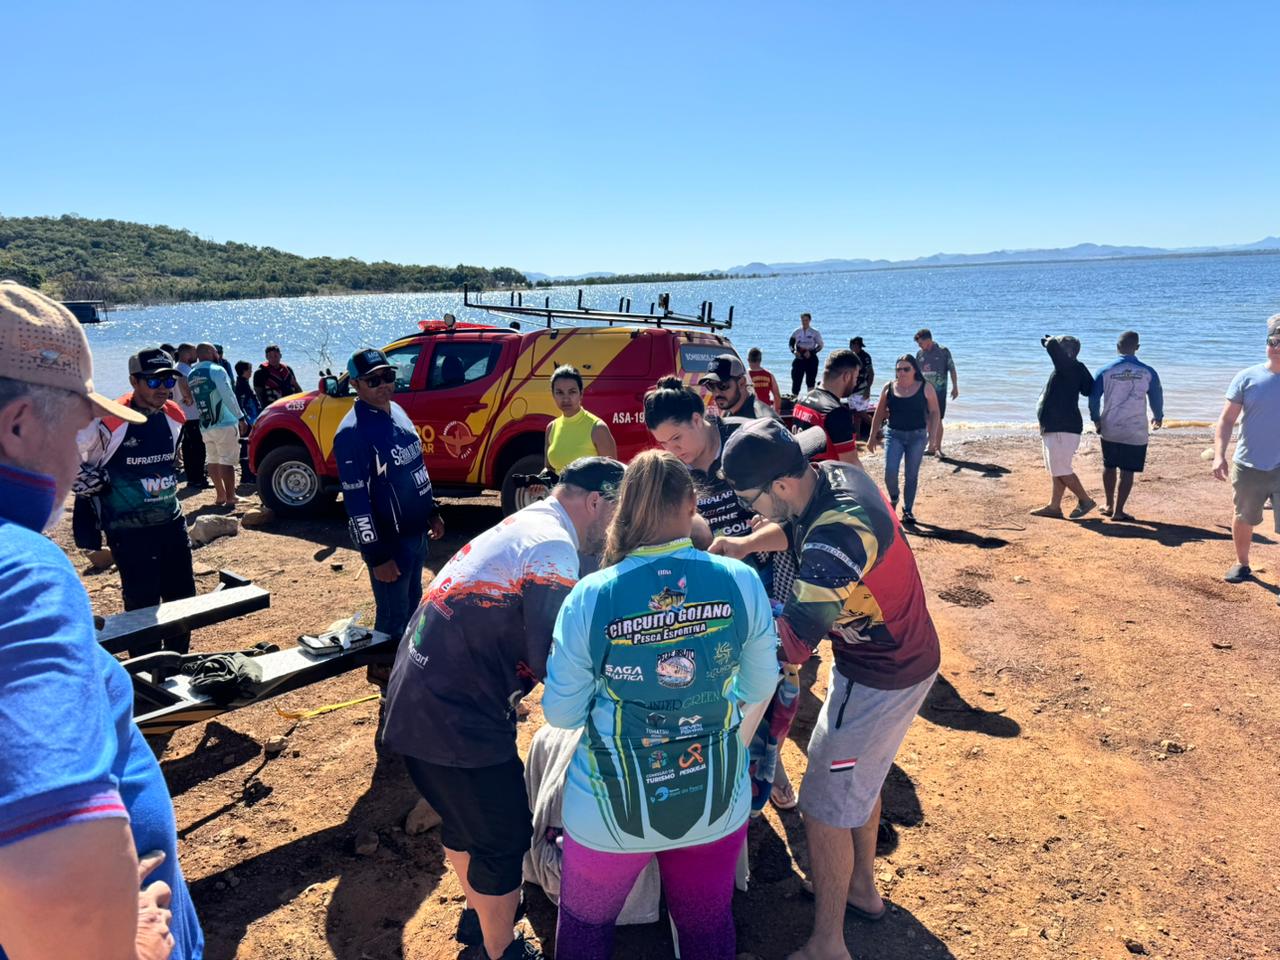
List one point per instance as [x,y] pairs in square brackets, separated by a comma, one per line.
[908,518]
[519,949]
[1082,508]
[1238,574]
[468,933]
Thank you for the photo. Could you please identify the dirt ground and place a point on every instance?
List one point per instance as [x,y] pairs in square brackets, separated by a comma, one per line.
[1094,775]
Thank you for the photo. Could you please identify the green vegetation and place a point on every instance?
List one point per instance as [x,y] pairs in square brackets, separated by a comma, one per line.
[643,278]
[73,258]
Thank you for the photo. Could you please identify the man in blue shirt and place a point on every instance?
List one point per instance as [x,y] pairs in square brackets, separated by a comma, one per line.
[1118,406]
[387,493]
[1255,469]
[83,804]
[222,422]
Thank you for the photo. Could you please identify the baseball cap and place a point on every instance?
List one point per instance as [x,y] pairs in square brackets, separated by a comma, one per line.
[1273,326]
[595,474]
[150,362]
[41,343]
[364,362]
[760,453]
[722,369]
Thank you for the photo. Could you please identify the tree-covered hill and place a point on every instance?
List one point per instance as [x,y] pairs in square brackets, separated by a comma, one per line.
[73,258]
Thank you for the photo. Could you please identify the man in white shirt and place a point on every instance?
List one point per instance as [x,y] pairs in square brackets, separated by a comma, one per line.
[805,343]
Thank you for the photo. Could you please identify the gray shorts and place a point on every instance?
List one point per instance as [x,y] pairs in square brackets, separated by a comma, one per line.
[857,735]
[1250,489]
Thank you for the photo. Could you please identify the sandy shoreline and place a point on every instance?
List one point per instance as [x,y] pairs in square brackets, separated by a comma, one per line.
[1041,804]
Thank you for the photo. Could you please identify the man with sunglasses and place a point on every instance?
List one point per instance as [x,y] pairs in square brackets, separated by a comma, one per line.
[732,394]
[128,471]
[1253,399]
[856,585]
[387,493]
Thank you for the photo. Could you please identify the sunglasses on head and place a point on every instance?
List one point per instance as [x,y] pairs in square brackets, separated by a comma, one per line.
[378,379]
[155,383]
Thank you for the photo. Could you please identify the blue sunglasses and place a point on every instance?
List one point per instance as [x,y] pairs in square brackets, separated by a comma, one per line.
[155,383]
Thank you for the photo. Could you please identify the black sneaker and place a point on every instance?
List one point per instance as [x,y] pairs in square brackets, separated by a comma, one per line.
[908,518]
[519,949]
[1238,574]
[468,933]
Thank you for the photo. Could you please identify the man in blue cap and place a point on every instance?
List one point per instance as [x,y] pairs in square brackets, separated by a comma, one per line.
[387,493]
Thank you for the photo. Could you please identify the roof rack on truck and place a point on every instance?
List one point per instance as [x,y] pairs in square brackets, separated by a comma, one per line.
[660,313]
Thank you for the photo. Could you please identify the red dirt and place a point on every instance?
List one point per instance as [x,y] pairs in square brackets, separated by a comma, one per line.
[1035,810]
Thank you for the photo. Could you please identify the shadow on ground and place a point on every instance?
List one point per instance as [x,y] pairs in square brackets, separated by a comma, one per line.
[989,470]
[967,538]
[375,895]
[945,707]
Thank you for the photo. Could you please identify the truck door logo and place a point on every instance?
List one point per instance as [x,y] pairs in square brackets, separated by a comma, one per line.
[457,437]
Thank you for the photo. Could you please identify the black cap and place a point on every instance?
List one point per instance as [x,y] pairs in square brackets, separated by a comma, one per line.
[760,453]
[722,369]
[595,475]
[364,362]
[151,362]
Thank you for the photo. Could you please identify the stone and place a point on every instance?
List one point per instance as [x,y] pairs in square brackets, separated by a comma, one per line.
[336,566]
[1172,746]
[366,843]
[1221,644]
[275,745]
[209,528]
[100,559]
[987,692]
[421,819]
[1134,946]
[259,517]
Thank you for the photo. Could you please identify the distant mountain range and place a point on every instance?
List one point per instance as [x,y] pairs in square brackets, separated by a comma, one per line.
[1081,251]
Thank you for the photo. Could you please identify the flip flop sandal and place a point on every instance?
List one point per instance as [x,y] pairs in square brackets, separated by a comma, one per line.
[849,909]
[790,804]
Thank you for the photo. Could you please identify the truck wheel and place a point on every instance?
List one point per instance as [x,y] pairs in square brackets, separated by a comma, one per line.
[288,483]
[514,498]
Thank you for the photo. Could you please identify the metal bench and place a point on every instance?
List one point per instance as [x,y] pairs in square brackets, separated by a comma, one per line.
[234,596]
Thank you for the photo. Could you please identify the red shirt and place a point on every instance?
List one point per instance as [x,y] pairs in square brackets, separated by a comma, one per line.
[762,382]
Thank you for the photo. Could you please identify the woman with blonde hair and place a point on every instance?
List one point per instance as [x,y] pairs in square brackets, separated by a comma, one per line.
[667,657]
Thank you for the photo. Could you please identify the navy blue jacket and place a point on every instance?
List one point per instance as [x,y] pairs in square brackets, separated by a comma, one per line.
[385,485]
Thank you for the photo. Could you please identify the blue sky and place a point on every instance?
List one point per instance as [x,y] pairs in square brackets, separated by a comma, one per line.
[566,137]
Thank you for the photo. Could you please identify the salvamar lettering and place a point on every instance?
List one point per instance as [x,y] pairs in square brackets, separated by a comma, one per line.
[402,456]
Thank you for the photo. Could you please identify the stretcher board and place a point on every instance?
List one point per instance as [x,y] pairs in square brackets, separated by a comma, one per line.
[161,707]
[234,597]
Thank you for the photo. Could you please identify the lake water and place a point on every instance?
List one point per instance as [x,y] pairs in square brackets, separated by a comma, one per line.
[1201,320]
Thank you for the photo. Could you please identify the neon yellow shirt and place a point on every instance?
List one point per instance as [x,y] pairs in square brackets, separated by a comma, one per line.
[571,439]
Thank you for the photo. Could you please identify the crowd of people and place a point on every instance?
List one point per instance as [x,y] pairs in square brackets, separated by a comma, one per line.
[665,604]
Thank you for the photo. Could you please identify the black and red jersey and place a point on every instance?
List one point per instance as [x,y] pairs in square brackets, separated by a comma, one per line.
[822,408]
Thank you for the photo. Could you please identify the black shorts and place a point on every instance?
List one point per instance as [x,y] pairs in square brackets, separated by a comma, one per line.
[485,813]
[1124,456]
[942,401]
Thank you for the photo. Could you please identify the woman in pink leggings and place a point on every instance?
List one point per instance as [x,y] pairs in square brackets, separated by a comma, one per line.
[662,656]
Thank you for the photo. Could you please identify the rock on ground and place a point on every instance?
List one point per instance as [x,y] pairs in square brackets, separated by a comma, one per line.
[207,529]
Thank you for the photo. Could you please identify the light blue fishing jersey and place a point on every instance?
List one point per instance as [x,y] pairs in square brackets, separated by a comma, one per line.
[655,656]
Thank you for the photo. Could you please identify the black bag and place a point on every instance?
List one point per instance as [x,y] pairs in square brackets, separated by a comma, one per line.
[224,677]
